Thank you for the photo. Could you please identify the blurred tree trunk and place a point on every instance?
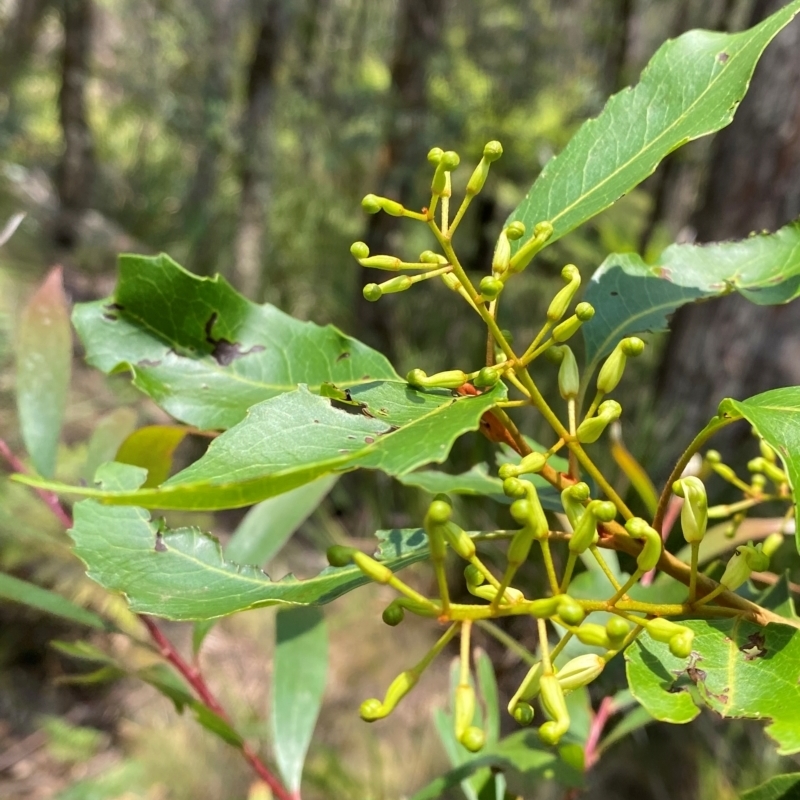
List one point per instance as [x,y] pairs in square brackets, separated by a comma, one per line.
[18,38]
[729,347]
[199,205]
[75,173]
[256,154]
[402,158]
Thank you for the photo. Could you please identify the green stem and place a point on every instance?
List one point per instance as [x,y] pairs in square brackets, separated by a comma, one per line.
[443,641]
[466,634]
[560,646]
[598,557]
[549,566]
[568,570]
[547,664]
[632,581]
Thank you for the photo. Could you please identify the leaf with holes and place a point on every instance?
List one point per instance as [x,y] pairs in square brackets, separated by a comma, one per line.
[736,668]
[206,354]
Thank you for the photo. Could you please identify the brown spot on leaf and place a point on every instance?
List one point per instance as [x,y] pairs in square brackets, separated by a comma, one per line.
[369,439]
[226,352]
[753,647]
[722,57]
[147,362]
[160,546]
[110,317]
[342,356]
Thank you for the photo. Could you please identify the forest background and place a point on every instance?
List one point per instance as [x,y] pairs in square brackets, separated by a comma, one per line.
[239,137]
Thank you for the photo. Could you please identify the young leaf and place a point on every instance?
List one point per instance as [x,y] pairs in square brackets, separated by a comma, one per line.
[19,591]
[152,448]
[181,574]
[630,296]
[297,437]
[300,671]
[781,787]
[44,361]
[737,669]
[776,417]
[221,354]
[690,88]
[267,526]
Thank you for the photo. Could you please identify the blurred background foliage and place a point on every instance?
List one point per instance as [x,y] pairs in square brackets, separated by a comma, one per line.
[239,137]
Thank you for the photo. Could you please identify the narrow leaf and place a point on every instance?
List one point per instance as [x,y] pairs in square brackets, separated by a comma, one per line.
[152,449]
[781,787]
[300,672]
[29,594]
[690,88]
[737,669]
[297,437]
[221,354]
[44,360]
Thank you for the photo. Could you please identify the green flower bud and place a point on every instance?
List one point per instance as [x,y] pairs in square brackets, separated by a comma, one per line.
[450,160]
[392,207]
[516,230]
[478,178]
[758,482]
[374,570]
[529,688]
[486,592]
[391,263]
[473,739]
[451,282]
[560,303]
[450,379]
[680,645]
[529,513]
[694,512]
[772,544]
[589,430]
[585,532]
[371,710]
[723,470]
[429,257]
[713,457]
[371,204]
[399,284]
[767,452]
[617,629]
[533,462]
[487,377]
[772,471]
[554,705]
[464,706]
[571,611]
[745,560]
[651,552]
[502,254]
[569,378]
[580,671]
[440,510]
[545,607]
[513,487]
[459,541]
[662,630]
[594,635]
[372,292]
[492,150]
[473,576]
[569,327]
[572,499]
[393,614]
[523,713]
[435,155]
[611,371]
[491,287]
[359,250]
[551,732]
[542,231]
[339,556]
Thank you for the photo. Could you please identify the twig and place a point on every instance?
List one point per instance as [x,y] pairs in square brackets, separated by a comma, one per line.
[191,674]
[599,720]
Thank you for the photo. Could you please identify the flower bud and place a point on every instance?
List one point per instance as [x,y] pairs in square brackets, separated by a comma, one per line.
[542,231]
[571,611]
[487,377]
[502,254]
[371,204]
[513,487]
[339,556]
[545,607]
[680,645]
[372,292]
[617,629]
[533,462]
[745,560]
[451,282]
[651,551]
[523,713]
[391,263]
[486,592]
[429,257]
[580,671]
[464,708]
[772,471]
[492,150]
[529,688]
[662,630]
[435,155]
[560,303]
[569,327]
[772,544]
[459,541]
[373,709]
[572,499]
[393,614]
[531,515]
[491,287]
[359,250]
[594,635]
[589,430]
[473,739]
[694,512]
[374,570]
[440,510]
[399,284]
[611,371]
[448,161]
[569,378]
[450,379]
[767,452]
[516,230]
[478,178]
[552,697]
[473,576]
[585,532]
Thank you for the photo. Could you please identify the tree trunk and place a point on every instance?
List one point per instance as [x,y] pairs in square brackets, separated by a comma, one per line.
[729,347]
[75,173]
[419,33]
[256,152]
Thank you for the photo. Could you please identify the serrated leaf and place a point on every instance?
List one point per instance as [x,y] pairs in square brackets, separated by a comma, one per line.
[44,361]
[203,352]
[690,88]
[300,672]
[630,296]
[781,787]
[776,417]
[297,437]
[152,448]
[181,574]
[33,596]
[737,669]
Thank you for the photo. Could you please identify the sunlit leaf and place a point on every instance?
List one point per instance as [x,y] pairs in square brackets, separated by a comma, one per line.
[152,448]
[781,787]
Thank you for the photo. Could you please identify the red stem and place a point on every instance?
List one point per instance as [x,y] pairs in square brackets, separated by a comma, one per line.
[191,674]
[599,721]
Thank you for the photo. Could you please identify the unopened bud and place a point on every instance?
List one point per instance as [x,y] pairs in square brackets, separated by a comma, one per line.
[580,671]
[611,371]
[486,592]
[340,556]
[487,377]
[545,607]
[680,645]
[569,327]
[473,739]
[772,471]
[448,161]
[492,150]
[513,487]
[569,378]
[571,611]
[767,452]
[593,635]
[502,254]
[542,231]
[552,697]
[429,257]
[745,560]
[772,544]
[572,499]
[391,263]
[359,250]
[450,379]
[651,551]
[371,204]
[459,541]
[373,709]
[393,614]
[491,287]
[516,230]
[464,710]
[662,630]
[473,576]
[523,713]
[694,512]
[533,462]
[585,532]
[374,570]
[372,292]
[617,629]
[435,155]
[560,303]
[590,430]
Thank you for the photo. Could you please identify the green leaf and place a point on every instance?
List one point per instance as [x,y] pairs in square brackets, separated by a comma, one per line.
[267,526]
[690,88]
[44,361]
[781,787]
[221,354]
[297,437]
[181,574]
[152,448]
[300,672]
[19,591]
[630,296]
[737,669]
[775,415]
[487,686]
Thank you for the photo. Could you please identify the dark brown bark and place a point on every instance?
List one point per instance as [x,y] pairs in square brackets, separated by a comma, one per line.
[75,174]
[729,347]
[18,38]
[256,154]
[419,33]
